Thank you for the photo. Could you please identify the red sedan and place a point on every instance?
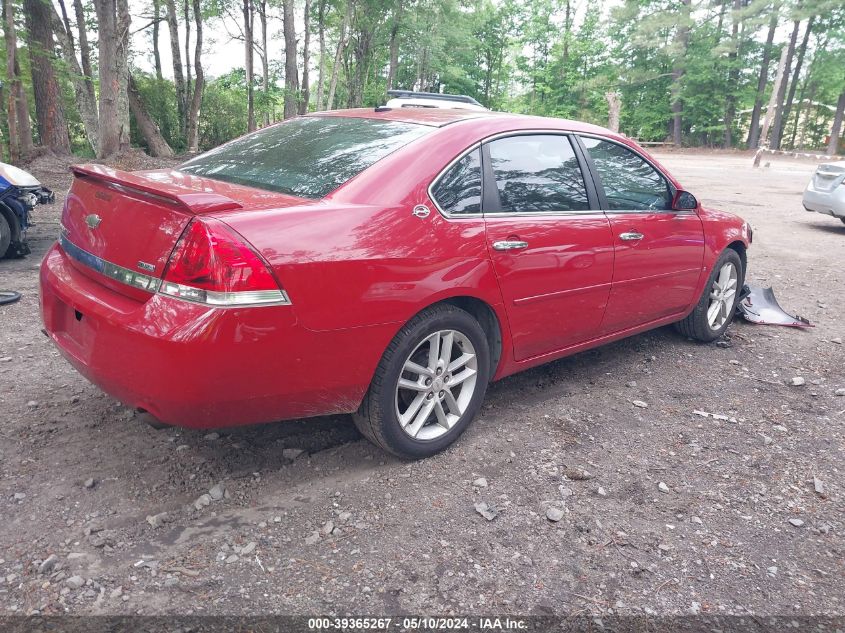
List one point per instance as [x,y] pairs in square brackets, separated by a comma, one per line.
[384,263]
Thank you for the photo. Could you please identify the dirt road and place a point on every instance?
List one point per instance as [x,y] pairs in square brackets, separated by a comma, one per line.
[679,513]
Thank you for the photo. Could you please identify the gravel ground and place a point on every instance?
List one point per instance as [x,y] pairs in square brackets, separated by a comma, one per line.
[596,505]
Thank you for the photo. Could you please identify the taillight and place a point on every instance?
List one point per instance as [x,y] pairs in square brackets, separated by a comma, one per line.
[212,264]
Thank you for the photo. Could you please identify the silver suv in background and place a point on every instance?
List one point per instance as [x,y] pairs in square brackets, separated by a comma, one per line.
[413,99]
[825,192]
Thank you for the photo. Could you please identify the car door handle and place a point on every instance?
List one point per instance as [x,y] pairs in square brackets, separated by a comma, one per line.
[510,245]
[631,236]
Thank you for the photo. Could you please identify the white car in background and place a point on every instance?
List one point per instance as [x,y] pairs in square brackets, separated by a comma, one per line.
[412,99]
[825,192]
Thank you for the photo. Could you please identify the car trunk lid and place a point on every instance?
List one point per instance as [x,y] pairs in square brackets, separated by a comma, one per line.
[121,225]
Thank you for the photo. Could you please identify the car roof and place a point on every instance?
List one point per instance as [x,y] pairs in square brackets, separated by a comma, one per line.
[440,117]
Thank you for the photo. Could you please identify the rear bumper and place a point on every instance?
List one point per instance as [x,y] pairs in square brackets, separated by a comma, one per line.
[827,202]
[195,366]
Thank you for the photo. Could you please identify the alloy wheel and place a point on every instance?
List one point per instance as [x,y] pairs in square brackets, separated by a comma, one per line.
[722,295]
[436,384]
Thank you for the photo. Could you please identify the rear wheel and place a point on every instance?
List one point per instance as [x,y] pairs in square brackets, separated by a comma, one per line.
[715,309]
[429,384]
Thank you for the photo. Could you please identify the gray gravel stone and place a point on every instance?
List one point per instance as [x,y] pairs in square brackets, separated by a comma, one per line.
[554,514]
[662,487]
[216,493]
[75,582]
[481,482]
[797,381]
[157,520]
[47,564]
[291,453]
[796,522]
[488,511]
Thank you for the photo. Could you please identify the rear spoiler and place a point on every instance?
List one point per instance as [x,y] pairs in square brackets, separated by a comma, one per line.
[193,201]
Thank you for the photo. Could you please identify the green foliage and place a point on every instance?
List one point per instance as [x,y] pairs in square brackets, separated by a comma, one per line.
[224,110]
[549,57]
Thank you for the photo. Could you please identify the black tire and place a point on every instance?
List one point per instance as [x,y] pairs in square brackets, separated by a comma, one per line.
[377,417]
[696,325]
[5,235]
[8,296]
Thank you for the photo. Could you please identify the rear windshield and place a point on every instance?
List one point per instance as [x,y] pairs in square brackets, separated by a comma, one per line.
[307,157]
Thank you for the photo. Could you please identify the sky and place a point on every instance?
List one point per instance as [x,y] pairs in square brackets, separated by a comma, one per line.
[221,52]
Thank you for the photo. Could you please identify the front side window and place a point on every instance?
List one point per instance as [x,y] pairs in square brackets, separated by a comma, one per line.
[630,183]
[537,173]
[308,156]
[458,190]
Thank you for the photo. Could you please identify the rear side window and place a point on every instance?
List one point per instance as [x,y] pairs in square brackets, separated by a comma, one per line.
[537,173]
[307,157]
[458,190]
[630,183]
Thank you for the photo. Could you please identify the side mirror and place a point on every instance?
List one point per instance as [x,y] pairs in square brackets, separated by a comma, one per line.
[684,201]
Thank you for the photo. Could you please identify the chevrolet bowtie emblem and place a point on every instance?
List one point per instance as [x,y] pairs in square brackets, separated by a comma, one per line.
[93,220]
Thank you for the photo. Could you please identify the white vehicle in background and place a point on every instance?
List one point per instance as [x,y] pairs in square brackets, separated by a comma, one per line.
[411,99]
[825,192]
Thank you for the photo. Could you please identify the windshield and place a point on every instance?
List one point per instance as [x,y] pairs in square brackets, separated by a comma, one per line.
[307,157]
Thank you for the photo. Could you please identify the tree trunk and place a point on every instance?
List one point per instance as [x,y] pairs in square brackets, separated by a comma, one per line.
[291,71]
[763,79]
[321,30]
[393,47]
[199,85]
[186,9]
[341,44]
[306,61]
[681,40]
[84,47]
[20,132]
[733,74]
[796,76]
[45,86]
[248,65]
[362,53]
[113,22]
[777,123]
[265,62]
[86,100]
[767,119]
[836,129]
[156,144]
[614,105]
[156,51]
[178,76]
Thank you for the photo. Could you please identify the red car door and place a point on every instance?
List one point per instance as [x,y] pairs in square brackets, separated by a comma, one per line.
[658,251]
[551,247]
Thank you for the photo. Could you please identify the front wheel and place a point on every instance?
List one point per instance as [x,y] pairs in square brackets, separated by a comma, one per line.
[429,384]
[5,235]
[715,309]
